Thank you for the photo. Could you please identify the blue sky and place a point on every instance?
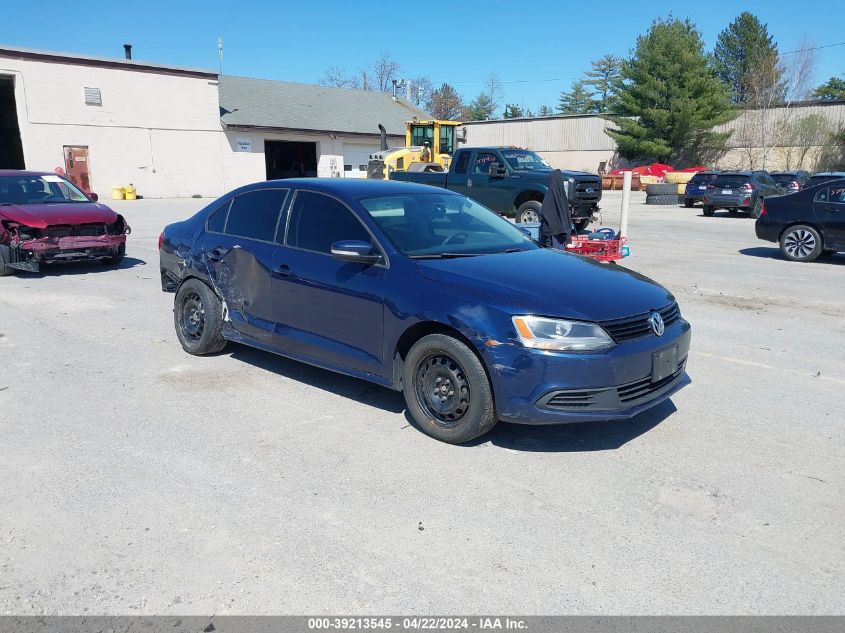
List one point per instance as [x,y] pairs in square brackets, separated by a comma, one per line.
[536,48]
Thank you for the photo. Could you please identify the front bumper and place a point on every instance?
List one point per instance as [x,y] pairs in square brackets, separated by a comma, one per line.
[30,254]
[536,387]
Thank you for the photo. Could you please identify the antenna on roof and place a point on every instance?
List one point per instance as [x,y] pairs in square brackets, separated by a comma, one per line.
[220,52]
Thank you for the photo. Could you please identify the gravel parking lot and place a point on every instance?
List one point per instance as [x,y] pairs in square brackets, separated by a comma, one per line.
[137,479]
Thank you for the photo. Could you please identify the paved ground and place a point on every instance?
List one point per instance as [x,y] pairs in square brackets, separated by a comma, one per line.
[138,479]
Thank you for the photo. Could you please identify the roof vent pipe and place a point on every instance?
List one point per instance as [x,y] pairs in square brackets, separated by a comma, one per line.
[383,137]
[127,51]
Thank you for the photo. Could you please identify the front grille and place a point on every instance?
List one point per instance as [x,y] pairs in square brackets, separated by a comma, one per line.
[581,193]
[77,230]
[642,389]
[630,328]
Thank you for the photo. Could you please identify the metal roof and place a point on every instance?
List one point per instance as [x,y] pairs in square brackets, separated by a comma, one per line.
[267,104]
[15,52]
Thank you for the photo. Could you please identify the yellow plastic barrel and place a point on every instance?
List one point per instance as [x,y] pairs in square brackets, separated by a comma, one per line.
[129,192]
[118,193]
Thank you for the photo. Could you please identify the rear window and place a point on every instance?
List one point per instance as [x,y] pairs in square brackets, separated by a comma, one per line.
[731,180]
[699,178]
[784,179]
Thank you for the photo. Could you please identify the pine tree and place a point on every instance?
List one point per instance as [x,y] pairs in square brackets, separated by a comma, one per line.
[513,111]
[577,101]
[479,109]
[545,111]
[605,79]
[671,98]
[744,52]
[832,90]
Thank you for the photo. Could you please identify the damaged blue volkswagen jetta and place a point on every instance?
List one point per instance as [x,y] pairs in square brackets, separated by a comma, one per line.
[425,291]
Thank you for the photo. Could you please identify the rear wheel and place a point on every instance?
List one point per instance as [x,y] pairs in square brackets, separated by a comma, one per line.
[5,257]
[688,202]
[528,211]
[708,210]
[447,390]
[801,243]
[198,317]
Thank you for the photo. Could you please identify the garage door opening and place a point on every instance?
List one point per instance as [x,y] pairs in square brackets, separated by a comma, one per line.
[11,148]
[290,159]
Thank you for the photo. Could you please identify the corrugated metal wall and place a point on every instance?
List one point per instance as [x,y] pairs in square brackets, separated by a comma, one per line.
[551,134]
[587,132]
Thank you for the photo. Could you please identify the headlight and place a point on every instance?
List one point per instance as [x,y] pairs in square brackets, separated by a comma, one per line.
[560,334]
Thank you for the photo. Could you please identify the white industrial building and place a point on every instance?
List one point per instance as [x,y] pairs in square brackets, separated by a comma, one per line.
[177,132]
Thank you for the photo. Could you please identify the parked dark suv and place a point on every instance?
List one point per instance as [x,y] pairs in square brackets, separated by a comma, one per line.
[697,187]
[791,181]
[825,176]
[740,191]
[806,224]
[425,291]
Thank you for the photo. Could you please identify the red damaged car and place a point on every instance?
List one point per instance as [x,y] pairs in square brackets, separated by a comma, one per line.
[44,218]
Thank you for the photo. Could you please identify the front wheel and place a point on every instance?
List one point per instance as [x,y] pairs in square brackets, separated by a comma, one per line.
[801,243]
[447,390]
[688,203]
[198,317]
[708,211]
[580,225]
[528,211]
[5,257]
[114,260]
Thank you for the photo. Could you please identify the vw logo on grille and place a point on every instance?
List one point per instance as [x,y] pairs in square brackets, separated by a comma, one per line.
[590,190]
[656,323]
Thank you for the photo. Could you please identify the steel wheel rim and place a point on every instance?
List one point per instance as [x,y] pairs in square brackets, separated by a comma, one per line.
[442,389]
[530,216]
[800,243]
[192,317]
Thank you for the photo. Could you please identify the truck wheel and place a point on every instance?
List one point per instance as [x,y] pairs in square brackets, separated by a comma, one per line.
[447,390]
[528,212]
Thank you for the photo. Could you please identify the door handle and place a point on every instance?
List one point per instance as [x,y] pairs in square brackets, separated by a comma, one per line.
[283,270]
[215,255]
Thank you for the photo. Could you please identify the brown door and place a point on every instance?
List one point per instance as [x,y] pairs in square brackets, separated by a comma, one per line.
[77,169]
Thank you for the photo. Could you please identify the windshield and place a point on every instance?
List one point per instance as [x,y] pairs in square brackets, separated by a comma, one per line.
[521,160]
[731,180]
[47,189]
[444,225]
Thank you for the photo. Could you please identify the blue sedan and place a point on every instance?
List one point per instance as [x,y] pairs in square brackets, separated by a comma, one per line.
[425,291]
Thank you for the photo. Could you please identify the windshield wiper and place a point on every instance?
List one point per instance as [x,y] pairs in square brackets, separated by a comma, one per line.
[445,255]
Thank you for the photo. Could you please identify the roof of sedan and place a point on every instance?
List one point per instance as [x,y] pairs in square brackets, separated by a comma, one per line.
[27,174]
[357,187]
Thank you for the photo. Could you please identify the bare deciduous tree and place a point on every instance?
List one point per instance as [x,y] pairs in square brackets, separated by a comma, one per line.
[336,77]
[800,137]
[384,70]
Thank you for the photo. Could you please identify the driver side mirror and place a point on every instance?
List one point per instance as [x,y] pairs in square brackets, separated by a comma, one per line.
[497,171]
[94,197]
[356,252]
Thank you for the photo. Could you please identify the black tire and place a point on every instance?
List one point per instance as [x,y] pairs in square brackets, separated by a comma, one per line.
[5,256]
[528,211]
[447,390]
[708,211]
[663,199]
[757,209]
[115,259]
[801,243]
[688,203]
[198,318]
[663,189]
[580,225]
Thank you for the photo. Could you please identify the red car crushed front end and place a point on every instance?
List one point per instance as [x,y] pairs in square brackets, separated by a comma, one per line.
[34,233]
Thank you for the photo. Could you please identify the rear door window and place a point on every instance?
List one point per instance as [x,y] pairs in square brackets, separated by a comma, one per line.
[317,221]
[255,214]
[217,220]
[462,162]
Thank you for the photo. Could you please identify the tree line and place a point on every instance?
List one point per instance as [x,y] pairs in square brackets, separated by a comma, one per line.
[664,99]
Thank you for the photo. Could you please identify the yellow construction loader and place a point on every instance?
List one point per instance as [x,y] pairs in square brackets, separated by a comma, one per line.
[429,146]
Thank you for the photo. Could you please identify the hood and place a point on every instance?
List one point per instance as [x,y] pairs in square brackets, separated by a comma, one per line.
[39,216]
[542,175]
[552,283]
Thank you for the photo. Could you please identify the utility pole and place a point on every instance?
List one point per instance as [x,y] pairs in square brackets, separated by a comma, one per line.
[220,52]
